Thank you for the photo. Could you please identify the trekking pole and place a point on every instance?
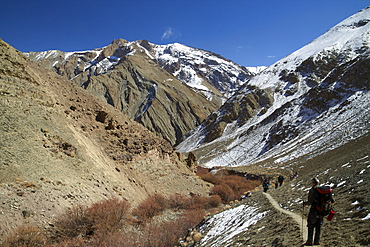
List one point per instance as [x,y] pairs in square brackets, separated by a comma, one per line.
[302,217]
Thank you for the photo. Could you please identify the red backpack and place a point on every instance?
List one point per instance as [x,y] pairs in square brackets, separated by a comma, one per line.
[323,200]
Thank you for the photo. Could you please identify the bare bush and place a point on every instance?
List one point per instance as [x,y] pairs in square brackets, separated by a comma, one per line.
[74,222]
[228,186]
[213,201]
[224,192]
[25,236]
[108,216]
[104,217]
[210,178]
[169,233]
[164,234]
[177,201]
[195,202]
[71,242]
[150,207]
[190,218]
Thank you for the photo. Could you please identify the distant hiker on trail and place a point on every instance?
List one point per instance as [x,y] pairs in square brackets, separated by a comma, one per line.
[316,215]
[281,180]
[293,176]
[266,185]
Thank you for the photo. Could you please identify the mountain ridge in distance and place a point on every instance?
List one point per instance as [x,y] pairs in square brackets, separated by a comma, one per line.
[308,103]
[170,89]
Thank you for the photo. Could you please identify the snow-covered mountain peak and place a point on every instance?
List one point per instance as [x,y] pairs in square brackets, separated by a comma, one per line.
[282,111]
[349,36]
[202,70]
[205,72]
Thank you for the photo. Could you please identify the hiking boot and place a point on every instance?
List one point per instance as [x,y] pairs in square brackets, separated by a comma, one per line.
[316,243]
[308,244]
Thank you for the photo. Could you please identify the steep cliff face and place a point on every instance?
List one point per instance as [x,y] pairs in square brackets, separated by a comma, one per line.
[126,77]
[312,101]
[61,146]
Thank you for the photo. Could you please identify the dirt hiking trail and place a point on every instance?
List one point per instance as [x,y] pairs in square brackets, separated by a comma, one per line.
[300,221]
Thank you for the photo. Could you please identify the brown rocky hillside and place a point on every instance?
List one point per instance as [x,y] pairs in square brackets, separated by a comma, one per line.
[128,79]
[61,146]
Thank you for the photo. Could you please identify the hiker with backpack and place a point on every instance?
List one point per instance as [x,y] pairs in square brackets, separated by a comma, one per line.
[281,180]
[266,185]
[320,200]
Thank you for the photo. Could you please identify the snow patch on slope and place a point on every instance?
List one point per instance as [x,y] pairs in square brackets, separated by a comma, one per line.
[224,226]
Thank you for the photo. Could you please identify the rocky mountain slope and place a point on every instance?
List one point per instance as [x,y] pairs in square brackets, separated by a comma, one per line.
[61,146]
[170,89]
[308,113]
[310,102]
[123,75]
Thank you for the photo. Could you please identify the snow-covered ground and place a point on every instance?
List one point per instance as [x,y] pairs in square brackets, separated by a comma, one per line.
[224,226]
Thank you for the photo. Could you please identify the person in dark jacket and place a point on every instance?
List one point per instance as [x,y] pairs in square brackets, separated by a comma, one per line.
[314,219]
[266,185]
[281,180]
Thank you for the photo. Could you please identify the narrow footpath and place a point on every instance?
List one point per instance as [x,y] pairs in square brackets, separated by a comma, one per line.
[295,216]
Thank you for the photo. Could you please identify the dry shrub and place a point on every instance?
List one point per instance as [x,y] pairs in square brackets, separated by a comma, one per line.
[229,187]
[213,201]
[168,233]
[210,178]
[108,215]
[239,184]
[72,242]
[126,237]
[177,201]
[163,234]
[201,170]
[224,192]
[74,222]
[116,239]
[195,202]
[252,184]
[24,236]
[190,218]
[150,207]
[104,216]
[160,200]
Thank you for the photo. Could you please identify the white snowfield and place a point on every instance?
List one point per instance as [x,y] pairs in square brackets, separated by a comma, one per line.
[308,132]
[224,226]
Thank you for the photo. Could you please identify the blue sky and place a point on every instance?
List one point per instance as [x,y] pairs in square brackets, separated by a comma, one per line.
[249,32]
